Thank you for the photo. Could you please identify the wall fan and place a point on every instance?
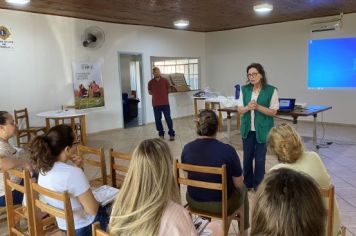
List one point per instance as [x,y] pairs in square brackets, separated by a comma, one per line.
[93,37]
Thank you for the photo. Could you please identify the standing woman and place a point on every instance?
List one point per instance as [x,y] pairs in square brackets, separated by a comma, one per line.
[257,105]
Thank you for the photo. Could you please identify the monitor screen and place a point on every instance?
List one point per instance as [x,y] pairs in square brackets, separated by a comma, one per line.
[284,103]
[332,63]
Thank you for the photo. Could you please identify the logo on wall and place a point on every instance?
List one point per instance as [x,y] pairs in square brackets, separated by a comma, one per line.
[5,38]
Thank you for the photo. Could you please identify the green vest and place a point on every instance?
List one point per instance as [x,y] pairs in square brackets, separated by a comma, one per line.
[263,123]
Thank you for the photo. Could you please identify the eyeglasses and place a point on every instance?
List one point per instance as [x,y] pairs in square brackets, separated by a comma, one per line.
[76,143]
[252,75]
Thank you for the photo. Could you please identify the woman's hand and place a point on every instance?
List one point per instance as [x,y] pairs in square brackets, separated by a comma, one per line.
[252,105]
[77,160]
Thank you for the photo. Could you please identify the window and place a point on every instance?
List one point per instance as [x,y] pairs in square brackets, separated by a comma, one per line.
[187,66]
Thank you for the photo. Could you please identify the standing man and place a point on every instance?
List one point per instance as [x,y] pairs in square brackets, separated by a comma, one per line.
[158,87]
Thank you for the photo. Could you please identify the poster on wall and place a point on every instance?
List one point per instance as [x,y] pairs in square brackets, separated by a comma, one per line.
[6,40]
[88,84]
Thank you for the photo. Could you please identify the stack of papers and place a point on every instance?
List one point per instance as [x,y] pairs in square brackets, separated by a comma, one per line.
[105,194]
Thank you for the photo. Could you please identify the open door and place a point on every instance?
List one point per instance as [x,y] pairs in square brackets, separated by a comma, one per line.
[131,88]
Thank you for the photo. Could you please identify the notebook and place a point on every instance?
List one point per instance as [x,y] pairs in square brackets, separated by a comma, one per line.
[105,194]
[286,104]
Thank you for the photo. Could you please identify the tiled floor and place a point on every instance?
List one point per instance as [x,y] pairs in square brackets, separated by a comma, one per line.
[339,158]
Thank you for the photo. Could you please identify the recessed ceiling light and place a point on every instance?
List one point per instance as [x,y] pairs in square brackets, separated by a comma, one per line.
[263,8]
[181,23]
[18,1]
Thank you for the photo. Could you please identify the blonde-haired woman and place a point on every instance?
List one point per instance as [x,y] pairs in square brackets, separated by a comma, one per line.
[148,202]
[287,145]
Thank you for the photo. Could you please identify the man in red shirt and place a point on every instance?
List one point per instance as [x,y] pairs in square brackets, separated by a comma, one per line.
[158,87]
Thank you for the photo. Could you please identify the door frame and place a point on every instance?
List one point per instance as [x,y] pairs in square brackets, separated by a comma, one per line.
[143,97]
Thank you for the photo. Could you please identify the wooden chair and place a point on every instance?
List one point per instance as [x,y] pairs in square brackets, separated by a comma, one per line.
[118,170]
[96,231]
[66,213]
[94,157]
[14,214]
[181,180]
[3,214]
[329,194]
[26,131]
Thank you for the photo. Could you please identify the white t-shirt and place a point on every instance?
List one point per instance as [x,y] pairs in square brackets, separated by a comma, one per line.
[273,105]
[63,177]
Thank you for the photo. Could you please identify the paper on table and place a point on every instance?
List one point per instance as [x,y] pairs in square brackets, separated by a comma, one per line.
[105,194]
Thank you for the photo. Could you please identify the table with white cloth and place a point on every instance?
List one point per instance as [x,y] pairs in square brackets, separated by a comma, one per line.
[76,120]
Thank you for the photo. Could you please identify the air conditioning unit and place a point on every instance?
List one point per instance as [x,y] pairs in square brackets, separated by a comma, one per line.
[326,26]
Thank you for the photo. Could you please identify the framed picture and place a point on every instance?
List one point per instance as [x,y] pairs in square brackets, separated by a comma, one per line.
[88,84]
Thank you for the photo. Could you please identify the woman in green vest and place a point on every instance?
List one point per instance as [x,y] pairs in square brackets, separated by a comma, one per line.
[257,105]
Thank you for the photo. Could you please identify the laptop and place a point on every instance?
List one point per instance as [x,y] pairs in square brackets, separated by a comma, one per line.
[286,104]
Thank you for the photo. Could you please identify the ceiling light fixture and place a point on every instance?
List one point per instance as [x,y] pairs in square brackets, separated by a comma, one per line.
[181,23]
[18,1]
[263,8]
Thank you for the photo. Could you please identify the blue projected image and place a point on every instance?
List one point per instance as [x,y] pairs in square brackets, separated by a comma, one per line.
[332,63]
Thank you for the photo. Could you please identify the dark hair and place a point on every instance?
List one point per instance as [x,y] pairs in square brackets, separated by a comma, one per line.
[3,117]
[208,123]
[288,203]
[45,149]
[155,68]
[260,70]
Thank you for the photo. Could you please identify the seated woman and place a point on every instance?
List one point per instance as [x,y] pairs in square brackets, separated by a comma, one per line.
[50,153]
[286,144]
[206,150]
[9,156]
[288,203]
[148,202]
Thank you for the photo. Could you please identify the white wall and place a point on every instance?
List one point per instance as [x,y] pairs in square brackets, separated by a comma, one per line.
[37,72]
[282,50]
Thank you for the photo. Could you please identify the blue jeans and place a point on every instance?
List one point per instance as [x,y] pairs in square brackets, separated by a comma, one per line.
[165,109]
[253,150]
[102,217]
[17,198]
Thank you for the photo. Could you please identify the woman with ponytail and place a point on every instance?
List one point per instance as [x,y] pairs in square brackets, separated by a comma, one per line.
[49,154]
[206,150]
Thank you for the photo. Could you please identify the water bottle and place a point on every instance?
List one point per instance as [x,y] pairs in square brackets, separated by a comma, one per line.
[237,91]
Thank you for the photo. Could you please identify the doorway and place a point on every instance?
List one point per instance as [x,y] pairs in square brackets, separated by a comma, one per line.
[131,89]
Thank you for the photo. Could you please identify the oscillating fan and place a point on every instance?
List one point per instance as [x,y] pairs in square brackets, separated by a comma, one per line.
[93,37]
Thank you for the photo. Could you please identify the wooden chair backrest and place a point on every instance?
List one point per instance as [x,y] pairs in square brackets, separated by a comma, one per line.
[66,213]
[182,180]
[116,167]
[22,212]
[99,155]
[329,194]
[96,231]
[19,116]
